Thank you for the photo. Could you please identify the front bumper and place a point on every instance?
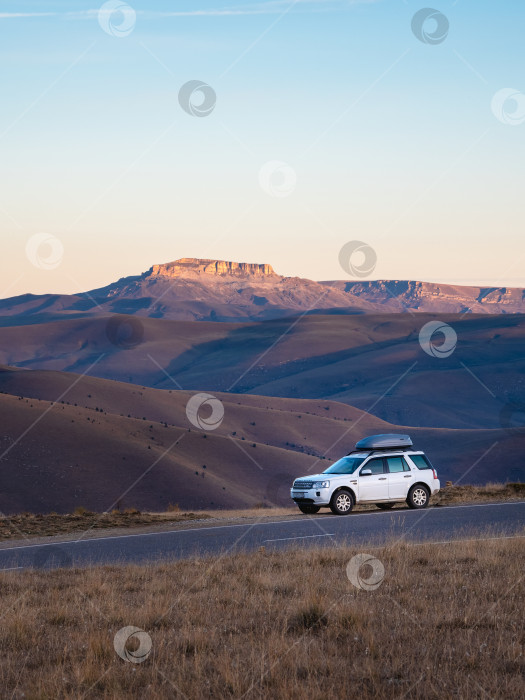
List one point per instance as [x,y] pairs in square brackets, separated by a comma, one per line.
[318,497]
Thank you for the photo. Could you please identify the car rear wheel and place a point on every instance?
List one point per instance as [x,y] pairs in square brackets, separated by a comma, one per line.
[385,506]
[418,497]
[310,510]
[342,502]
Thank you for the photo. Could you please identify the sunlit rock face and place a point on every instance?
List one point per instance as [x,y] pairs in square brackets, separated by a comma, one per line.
[191,267]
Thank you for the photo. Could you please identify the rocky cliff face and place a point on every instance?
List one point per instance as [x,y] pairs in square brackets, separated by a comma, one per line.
[434,297]
[195,267]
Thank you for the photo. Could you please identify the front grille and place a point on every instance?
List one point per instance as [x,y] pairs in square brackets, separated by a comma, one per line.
[303,484]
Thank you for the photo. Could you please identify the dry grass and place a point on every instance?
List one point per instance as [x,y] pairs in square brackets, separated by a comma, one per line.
[82,520]
[446,622]
[38,525]
[478,494]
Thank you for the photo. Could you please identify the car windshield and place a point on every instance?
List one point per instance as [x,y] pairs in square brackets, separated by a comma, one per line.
[345,465]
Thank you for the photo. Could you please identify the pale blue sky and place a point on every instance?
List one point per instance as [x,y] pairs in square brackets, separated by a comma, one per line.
[392,141]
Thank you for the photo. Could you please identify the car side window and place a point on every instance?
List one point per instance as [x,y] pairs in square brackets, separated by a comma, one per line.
[421,461]
[375,466]
[397,464]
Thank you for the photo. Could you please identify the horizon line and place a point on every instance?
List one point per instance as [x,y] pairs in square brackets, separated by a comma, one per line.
[490,285]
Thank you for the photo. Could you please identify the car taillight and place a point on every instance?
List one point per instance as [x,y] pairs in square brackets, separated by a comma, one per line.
[435,473]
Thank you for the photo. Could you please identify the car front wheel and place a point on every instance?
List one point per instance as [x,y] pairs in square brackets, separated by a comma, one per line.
[418,497]
[342,503]
[309,510]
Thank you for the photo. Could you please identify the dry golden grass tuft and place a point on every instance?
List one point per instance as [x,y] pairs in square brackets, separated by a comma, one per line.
[447,621]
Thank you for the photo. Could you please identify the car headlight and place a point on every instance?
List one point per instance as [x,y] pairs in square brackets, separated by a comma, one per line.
[321,484]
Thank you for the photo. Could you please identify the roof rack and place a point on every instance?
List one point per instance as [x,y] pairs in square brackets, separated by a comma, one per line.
[393,449]
[381,450]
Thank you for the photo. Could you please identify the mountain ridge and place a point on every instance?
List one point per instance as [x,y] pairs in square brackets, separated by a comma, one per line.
[202,289]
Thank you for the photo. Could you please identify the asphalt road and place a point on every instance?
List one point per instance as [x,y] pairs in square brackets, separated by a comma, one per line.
[436,524]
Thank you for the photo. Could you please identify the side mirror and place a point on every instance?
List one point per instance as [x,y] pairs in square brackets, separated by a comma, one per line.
[366,472]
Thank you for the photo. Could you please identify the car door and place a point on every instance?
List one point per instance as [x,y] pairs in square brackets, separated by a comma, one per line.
[374,486]
[399,477]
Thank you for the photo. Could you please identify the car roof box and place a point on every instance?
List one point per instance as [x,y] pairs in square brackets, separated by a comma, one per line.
[384,442]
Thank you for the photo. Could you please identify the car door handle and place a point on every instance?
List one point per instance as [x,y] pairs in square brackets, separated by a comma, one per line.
[408,476]
[382,478]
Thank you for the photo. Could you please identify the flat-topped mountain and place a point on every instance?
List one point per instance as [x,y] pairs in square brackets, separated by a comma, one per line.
[194,267]
[196,289]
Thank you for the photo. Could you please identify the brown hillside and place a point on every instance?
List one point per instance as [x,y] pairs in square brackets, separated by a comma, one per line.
[349,359]
[91,453]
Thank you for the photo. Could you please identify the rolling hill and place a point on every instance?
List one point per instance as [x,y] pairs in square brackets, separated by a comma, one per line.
[70,440]
[373,362]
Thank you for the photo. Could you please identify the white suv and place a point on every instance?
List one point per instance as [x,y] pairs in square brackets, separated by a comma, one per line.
[384,469]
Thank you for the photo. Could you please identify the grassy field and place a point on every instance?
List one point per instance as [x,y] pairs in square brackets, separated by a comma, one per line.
[84,521]
[440,621]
